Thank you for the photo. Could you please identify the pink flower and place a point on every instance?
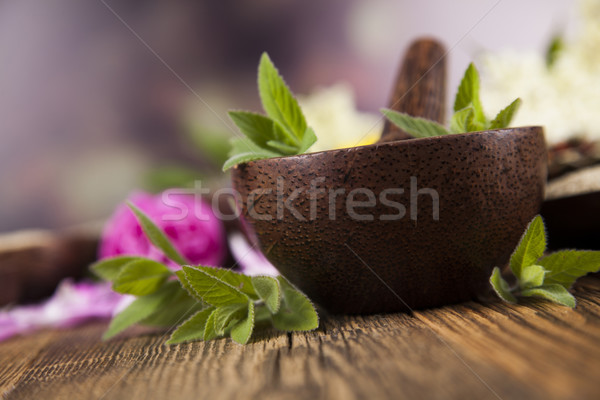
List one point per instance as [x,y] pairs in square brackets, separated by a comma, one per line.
[71,304]
[186,219]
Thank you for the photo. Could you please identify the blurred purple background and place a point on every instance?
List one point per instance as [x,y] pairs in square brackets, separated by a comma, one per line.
[86,109]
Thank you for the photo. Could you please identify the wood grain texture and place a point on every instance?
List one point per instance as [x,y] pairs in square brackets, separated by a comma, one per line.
[472,350]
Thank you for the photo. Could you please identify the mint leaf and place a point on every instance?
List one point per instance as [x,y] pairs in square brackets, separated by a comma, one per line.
[532,276]
[468,95]
[268,290]
[209,328]
[245,145]
[554,292]
[109,268]
[282,147]
[530,248]
[186,285]
[242,331]
[282,135]
[140,309]
[192,329]
[156,235]
[211,289]
[246,157]
[501,287]
[178,308]
[141,277]
[564,267]
[462,120]
[239,281]
[225,314]
[277,100]
[263,314]
[244,150]
[417,127]
[296,312]
[256,127]
[307,141]
[506,115]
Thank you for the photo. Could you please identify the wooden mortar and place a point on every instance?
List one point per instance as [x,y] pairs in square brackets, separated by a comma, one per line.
[487,187]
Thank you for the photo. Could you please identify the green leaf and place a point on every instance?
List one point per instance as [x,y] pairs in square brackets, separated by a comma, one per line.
[462,120]
[417,127]
[211,289]
[242,331]
[175,310]
[564,267]
[156,235]
[141,277]
[141,308]
[262,314]
[256,127]
[186,285]
[282,147]
[245,145]
[244,150]
[506,115]
[277,99]
[532,276]
[246,157]
[209,328]
[239,281]
[554,292]
[468,95]
[296,312]
[308,140]
[501,287]
[530,248]
[192,329]
[554,49]
[281,134]
[225,314]
[268,290]
[109,268]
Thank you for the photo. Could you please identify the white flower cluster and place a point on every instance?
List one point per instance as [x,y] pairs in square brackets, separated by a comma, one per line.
[565,98]
[331,112]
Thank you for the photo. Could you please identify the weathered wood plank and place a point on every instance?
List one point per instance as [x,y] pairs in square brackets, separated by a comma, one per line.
[471,350]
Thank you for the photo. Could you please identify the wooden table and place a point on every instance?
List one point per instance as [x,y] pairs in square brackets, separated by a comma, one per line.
[467,351]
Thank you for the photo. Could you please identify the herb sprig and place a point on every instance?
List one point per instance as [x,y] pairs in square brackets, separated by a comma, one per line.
[205,302]
[549,277]
[282,132]
[468,113]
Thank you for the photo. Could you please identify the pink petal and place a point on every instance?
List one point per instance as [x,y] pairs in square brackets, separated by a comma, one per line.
[250,260]
[71,304]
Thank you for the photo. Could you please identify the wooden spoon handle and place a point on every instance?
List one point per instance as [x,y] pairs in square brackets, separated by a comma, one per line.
[420,88]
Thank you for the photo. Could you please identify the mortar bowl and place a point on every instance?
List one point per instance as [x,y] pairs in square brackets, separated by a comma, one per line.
[395,226]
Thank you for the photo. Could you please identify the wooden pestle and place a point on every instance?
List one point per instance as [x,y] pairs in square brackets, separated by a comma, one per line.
[420,89]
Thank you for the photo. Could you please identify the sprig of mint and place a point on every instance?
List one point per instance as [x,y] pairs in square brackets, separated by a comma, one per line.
[205,302]
[282,132]
[549,277]
[468,113]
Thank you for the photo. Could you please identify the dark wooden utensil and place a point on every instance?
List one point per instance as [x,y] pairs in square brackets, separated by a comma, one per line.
[486,187]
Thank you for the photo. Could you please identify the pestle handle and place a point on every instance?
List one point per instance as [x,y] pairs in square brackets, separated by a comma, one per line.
[420,88]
